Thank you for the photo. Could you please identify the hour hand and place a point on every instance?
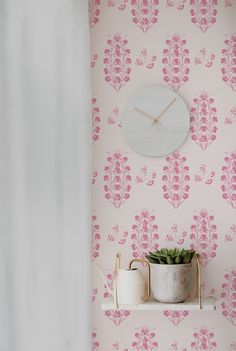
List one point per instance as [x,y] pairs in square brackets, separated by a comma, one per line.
[157,119]
[145,114]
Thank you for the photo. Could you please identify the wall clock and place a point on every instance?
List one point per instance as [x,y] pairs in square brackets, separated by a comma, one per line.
[155,121]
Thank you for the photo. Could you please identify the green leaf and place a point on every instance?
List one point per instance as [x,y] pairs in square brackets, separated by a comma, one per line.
[178,259]
[169,260]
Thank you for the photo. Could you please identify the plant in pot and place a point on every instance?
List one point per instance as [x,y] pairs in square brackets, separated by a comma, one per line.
[171,271]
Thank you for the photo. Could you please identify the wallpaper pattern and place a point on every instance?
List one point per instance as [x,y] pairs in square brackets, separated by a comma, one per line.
[185,199]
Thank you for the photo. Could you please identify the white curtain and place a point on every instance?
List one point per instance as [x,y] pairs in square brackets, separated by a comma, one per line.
[44,175]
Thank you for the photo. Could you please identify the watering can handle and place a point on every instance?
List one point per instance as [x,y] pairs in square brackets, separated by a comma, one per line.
[199,290]
[141,260]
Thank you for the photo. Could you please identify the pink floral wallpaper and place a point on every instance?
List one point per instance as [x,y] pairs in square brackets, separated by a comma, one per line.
[186,199]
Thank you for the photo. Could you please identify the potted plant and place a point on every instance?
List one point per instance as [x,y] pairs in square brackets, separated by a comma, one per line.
[171,274]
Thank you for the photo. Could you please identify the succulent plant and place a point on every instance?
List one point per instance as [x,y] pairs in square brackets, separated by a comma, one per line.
[171,256]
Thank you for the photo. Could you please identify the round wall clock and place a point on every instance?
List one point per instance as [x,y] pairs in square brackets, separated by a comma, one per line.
[155,121]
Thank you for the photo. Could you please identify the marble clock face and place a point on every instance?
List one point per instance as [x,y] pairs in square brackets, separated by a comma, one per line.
[155,121]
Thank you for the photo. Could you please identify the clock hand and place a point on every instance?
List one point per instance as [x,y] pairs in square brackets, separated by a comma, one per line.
[145,114]
[156,120]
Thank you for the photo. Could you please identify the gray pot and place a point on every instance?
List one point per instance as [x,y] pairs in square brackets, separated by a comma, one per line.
[171,283]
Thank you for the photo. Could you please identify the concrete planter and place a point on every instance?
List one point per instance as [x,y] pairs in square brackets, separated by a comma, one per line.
[171,283]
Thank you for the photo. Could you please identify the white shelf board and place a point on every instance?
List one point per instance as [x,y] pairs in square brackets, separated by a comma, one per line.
[208,304]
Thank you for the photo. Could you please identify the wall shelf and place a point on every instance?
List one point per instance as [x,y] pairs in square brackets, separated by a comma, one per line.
[208,304]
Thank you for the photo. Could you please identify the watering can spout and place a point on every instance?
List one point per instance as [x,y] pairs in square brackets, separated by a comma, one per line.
[104,278]
[117,267]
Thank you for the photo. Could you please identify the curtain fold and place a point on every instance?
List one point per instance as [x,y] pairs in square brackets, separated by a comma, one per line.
[45,161]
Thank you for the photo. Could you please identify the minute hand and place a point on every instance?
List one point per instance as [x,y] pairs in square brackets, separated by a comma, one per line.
[144,113]
[156,120]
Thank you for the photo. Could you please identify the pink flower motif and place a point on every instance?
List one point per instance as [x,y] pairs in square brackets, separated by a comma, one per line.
[94,12]
[231,118]
[146,176]
[121,4]
[144,13]
[94,294]
[93,60]
[96,120]
[114,118]
[228,296]
[203,120]
[228,179]
[116,347]
[228,62]
[229,3]
[232,234]
[117,316]
[117,62]
[95,174]
[203,235]
[203,175]
[175,316]
[117,235]
[204,58]
[146,60]
[203,13]
[95,342]
[232,346]
[176,62]
[203,340]
[142,57]
[175,347]
[144,234]
[117,179]
[176,179]
[206,292]
[175,236]
[145,339]
[179,4]
[95,247]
